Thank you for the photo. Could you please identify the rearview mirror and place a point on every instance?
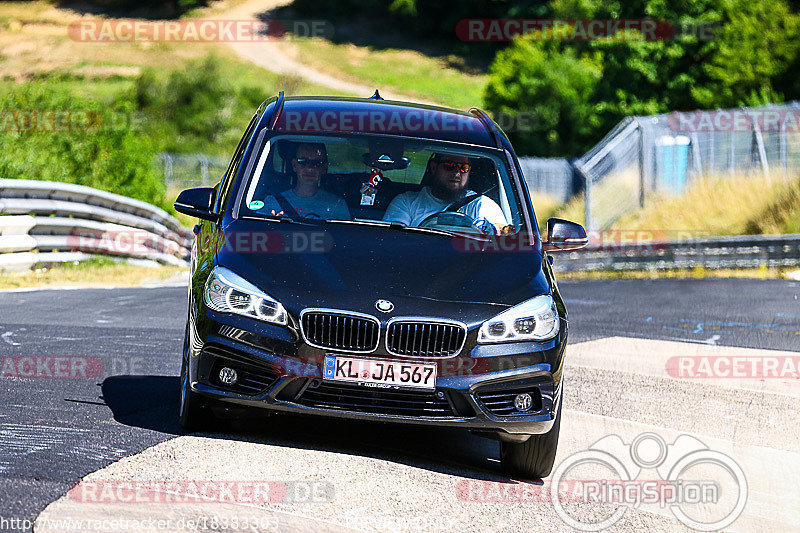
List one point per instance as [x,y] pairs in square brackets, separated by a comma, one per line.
[564,235]
[386,162]
[197,202]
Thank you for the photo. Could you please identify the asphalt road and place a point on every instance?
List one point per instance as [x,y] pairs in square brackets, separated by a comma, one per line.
[728,312]
[56,430]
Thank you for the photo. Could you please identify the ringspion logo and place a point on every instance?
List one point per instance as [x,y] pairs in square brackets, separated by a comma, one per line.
[703,488]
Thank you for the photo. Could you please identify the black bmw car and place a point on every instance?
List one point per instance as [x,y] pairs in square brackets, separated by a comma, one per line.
[377,260]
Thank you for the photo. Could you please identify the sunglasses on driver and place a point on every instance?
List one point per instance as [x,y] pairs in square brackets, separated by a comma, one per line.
[309,162]
[452,166]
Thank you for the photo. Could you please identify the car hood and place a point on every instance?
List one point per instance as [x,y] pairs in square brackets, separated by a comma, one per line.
[350,266]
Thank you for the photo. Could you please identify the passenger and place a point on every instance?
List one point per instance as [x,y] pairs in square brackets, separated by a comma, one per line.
[450,177]
[309,164]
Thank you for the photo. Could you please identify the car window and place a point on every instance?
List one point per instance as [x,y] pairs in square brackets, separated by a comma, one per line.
[374,178]
[223,188]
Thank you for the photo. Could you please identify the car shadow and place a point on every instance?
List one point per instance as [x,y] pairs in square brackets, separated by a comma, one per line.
[147,402]
[151,402]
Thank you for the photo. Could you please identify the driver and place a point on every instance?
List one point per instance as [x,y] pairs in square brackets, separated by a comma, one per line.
[306,198]
[450,175]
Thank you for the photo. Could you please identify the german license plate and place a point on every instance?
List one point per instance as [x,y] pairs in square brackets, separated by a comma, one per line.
[371,371]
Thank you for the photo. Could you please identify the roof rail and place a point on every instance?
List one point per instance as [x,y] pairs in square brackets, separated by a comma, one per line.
[276,114]
[488,123]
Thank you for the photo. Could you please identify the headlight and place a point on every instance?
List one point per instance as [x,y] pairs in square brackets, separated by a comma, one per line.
[534,319]
[231,293]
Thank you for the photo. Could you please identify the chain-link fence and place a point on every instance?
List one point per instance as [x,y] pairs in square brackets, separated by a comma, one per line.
[554,177]
[182,171]
[640,158]
[664,154]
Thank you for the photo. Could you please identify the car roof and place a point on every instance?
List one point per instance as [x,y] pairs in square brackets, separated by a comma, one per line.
[330,114]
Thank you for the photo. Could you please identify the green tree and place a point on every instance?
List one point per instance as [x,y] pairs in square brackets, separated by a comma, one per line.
[552,89]
[754,56]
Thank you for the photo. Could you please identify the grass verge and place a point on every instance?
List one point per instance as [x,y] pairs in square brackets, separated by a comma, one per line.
[98,272]
[403,71]
[725,205]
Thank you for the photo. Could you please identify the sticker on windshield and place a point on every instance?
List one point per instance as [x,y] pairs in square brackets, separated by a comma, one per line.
[255,205]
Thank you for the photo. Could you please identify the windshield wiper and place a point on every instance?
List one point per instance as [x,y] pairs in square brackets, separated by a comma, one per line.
[402,227]
[362,222]
[282,218]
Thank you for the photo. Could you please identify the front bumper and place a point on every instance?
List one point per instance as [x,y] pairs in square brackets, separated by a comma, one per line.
[278,372]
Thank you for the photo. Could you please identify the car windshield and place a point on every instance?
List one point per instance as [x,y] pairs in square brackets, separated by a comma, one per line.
[378,179]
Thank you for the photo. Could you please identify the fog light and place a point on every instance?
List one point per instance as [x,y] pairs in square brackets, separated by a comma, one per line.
[228,376]
[523,402]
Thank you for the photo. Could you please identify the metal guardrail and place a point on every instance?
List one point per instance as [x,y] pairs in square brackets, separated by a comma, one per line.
[82,221]
[713,253]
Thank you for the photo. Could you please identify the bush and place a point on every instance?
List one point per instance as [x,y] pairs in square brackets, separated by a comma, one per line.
[196,109]
[111,154]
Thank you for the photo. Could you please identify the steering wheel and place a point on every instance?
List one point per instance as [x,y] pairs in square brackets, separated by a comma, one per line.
[459,219]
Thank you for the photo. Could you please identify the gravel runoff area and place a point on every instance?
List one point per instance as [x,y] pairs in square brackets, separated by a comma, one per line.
[318,484]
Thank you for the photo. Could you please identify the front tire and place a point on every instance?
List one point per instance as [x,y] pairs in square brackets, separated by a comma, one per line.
[192,412]
[533,458]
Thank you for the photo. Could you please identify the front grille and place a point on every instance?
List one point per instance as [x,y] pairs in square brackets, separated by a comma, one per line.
[502,402]
[341,331]
[377,401]
[425,339]
[254,377]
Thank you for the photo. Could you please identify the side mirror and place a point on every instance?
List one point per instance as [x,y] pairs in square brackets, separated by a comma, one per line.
[197,202]
[564,235]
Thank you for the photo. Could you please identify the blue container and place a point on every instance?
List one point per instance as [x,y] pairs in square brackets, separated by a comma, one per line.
[673,160]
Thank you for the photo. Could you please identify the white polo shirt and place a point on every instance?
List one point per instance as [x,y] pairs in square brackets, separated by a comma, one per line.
[411,208]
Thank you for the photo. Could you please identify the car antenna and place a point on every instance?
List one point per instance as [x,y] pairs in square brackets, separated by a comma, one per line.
[376,96]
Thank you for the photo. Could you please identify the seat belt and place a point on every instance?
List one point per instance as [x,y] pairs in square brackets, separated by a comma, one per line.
[285,206]
[458,204]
